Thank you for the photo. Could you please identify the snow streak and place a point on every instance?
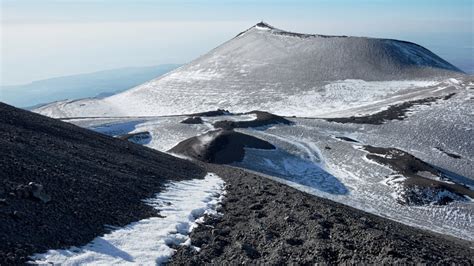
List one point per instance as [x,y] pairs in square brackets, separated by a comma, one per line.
[147,242]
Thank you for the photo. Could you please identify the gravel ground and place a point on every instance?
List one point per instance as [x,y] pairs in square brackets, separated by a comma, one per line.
[61,184]
[265,222]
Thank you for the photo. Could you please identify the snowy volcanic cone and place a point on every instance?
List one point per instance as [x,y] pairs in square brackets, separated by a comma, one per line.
[264,68]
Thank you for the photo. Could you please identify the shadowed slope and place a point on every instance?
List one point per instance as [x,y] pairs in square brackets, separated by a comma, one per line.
[219,146]
[61,184]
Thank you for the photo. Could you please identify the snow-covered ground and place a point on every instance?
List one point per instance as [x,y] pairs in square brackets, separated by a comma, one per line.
[342,173]
[182,206]
[363,181]
[336,98]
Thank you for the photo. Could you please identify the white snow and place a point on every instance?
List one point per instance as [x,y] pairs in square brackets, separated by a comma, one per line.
[183,205]
[263,28]
[333,98]
[280,163]
[115,129]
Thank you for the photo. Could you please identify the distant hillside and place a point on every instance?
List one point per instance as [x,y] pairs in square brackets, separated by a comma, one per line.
[97,84]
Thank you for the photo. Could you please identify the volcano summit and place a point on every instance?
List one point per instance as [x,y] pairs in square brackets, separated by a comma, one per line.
[264,68]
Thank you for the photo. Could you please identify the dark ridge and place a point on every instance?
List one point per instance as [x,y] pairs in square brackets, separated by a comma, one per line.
[219,146]
[217,112]
[263,119]
[347,139]
[192,120]
[295,34]
[60,184]
[418,189]
[305,36]
[394,112]
[452,155]
[264,25]
[288,33]
[268,223]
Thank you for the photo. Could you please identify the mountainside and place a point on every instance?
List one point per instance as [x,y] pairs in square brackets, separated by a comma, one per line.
[62,185]
[270,69]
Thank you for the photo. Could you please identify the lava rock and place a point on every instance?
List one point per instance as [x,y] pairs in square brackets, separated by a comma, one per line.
[417,189]
[263,119]
[219,146]
[192,120]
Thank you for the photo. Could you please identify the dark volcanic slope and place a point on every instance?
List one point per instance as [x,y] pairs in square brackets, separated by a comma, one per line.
[393,112]
[419,189]
[82,180]
[265,222]
[219,146]
[263,119]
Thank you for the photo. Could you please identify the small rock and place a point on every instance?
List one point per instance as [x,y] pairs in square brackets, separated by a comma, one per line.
[315,216]
[23,191]
[256,206]
[17,215]
[269,236]
[389,251]
[38,192]
[192,120]
[250,251]
[295,241]
[289,219]
[220,232]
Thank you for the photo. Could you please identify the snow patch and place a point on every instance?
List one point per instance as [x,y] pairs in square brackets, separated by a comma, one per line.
[183,206]
[282,164]
[115,129]
[454,81]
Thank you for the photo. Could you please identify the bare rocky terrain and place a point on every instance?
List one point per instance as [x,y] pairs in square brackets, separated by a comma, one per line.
[424,184]
[61,185]
[265,222]
[393,112]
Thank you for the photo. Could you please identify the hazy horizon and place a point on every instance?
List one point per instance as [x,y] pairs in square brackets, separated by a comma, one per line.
[55,38]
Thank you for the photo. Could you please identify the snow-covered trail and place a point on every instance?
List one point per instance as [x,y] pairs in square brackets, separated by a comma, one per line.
[182,204]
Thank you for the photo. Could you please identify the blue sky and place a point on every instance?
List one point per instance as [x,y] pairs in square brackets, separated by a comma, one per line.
[48,38]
